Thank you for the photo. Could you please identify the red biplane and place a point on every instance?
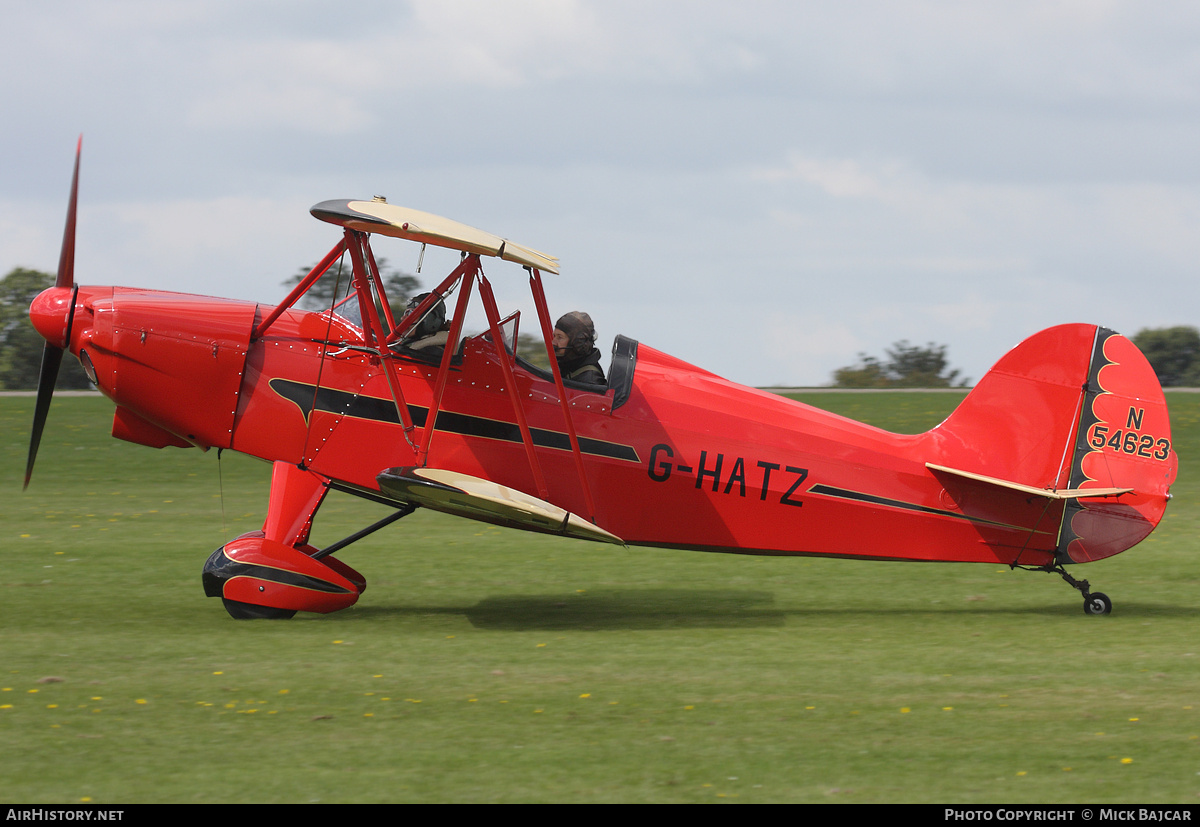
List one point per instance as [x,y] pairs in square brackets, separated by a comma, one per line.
[1061,454]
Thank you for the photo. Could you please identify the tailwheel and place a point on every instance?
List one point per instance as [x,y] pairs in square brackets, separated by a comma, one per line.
[248,611]
[1094,603]
[1097,603]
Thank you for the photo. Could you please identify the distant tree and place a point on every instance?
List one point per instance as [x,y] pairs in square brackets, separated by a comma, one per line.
[906,366]
[398,286]
[20,344]
[868,373]
[1173,352]
[533,350]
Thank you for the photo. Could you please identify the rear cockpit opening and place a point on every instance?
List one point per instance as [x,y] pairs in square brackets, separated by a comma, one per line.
[620,373]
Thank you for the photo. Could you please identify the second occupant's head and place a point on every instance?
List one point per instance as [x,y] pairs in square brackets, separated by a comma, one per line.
[574,335]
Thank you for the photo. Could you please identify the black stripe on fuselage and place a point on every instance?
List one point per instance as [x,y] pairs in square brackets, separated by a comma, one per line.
[344,403]
[873,499]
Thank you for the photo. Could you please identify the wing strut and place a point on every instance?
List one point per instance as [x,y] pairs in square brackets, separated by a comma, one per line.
[543,313]
[303,286]
[493,316]
[467,272]
[382,328]
[365,280]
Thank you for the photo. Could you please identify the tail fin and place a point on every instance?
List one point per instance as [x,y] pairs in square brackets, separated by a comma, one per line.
[1072,409]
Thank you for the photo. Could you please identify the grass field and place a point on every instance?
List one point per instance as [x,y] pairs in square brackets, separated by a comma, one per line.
[488,665]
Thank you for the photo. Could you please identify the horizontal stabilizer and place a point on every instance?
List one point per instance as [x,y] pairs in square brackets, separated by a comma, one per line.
[480,499]
[1050,493]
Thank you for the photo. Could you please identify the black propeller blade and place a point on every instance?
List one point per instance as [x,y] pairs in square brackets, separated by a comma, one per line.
[66,259]
[52,355]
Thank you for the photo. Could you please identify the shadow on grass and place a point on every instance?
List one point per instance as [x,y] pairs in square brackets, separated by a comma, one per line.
[596,610]
[628,609]
[634,609]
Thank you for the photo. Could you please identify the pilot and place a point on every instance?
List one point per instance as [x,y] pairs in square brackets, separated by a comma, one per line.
[431,333]
[575,349]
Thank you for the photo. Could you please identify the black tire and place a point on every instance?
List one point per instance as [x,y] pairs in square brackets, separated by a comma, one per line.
[249,611]
[1097,603]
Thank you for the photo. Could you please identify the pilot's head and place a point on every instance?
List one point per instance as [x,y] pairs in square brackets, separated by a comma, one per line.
[435,317]
[574,335]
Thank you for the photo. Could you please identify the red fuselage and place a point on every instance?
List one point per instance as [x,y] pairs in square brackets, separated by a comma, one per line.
[677,457]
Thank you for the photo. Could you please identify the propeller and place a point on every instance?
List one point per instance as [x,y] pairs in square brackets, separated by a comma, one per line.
[47,312]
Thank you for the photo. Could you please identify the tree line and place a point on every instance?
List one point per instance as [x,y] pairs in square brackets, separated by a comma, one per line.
[904,366]
[1173,352]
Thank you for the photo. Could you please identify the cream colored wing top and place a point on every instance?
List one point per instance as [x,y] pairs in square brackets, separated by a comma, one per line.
[427,228]
[490,502]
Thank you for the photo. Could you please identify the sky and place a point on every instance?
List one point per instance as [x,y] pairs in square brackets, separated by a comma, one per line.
[763,189]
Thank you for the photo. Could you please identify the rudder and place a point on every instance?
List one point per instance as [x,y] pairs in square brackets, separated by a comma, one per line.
[1123,439]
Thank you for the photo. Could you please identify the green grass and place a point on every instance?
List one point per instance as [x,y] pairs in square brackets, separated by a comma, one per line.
[491,665]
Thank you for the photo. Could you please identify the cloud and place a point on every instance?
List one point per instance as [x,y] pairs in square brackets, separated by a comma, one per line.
[844,177]
[850,173]
[803,348]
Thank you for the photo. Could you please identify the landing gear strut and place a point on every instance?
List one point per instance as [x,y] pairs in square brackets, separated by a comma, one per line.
[1094,603]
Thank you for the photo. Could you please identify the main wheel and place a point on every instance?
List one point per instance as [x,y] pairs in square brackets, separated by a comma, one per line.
[1097,603]
[248,611]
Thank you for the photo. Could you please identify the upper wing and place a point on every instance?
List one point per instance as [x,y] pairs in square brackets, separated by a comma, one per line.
[427,228]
